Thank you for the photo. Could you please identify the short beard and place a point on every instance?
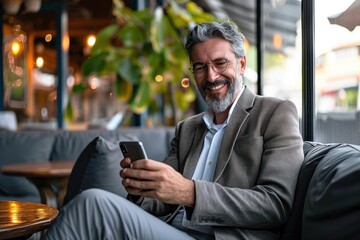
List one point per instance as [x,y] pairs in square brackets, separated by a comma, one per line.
[216,104]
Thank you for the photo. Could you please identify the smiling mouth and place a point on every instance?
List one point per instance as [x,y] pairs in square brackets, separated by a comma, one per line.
[215,86]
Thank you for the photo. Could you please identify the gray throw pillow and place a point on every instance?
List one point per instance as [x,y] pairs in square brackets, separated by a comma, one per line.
[98,166]
[22,147]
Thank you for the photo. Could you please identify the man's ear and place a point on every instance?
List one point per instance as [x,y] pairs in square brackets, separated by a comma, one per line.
[242,64]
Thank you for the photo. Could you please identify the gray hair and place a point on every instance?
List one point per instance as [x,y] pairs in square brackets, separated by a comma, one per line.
[227,30]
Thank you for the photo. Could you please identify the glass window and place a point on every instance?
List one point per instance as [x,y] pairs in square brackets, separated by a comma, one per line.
[282,75]
[337,75]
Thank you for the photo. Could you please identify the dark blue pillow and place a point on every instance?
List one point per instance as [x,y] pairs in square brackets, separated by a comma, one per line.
[98,166]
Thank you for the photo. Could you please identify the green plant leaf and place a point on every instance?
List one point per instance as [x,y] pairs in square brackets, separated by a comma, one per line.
[194,9]
[157,63]
[124,89]
[129,71]
[197,13]
[142,98]
[131,36]
[179,16]
[94,64]
[79,88]
[180,100]
[69,113]
[104,38]
[183,98]
[142,17]
[157,31]
[143,44]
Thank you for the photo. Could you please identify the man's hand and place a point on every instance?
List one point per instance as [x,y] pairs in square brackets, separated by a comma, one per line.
[150,178]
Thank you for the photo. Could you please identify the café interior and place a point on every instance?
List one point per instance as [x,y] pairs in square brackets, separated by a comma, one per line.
[48,83]
[47,90]
[74,74]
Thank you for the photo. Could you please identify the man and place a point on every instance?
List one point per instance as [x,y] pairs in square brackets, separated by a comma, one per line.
[230,174]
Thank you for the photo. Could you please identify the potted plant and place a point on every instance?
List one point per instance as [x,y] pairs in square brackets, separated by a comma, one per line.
[145,51]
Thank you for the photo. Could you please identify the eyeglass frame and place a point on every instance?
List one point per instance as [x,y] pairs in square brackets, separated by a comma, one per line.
[204,67]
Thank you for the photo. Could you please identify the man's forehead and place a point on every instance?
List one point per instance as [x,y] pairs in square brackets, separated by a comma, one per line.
[211,49]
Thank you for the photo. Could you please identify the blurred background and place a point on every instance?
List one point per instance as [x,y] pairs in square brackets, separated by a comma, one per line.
[80,64]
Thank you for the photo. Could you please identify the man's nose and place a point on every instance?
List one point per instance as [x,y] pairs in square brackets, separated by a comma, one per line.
[211,74]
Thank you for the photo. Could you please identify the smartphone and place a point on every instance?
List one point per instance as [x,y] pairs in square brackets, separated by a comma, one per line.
[133,149]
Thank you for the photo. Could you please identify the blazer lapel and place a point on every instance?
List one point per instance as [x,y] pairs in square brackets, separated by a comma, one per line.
[238,117]
[195,150]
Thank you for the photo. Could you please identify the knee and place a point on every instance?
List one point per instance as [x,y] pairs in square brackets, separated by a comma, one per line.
[95,195]
[85,199]
[96,199]
[91,194]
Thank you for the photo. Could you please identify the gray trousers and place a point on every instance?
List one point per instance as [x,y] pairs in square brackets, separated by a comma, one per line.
[98,214]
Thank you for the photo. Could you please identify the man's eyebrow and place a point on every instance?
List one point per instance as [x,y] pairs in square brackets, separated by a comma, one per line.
[220,58]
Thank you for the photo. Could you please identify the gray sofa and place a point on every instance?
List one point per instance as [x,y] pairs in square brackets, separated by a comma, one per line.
[42,146]
[327,199]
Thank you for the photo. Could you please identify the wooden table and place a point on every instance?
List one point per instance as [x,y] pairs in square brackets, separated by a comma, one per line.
[21,219]
[45,176]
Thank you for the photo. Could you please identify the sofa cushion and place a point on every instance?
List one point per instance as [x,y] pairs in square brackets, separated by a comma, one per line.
[69,144]
[98,166]
[156,140]
[19,147]
[332,204]
[313,153]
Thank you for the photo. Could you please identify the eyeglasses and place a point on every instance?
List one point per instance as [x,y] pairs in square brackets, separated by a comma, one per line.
[219,66]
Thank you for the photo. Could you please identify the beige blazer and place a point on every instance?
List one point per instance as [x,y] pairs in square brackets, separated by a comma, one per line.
[256,173]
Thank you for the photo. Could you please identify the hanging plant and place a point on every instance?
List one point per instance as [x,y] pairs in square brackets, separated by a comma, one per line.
[145,50]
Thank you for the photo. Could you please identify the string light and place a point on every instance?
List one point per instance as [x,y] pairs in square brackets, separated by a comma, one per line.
[277,40]
[159,78]
[185,82]
[66,42]
[90,40]
[15,47]
[48,37]
[39,62]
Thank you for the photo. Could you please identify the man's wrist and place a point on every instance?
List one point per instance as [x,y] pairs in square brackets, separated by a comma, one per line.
[190,195]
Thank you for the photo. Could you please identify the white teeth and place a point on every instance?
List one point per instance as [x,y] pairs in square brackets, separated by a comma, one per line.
[217,87]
